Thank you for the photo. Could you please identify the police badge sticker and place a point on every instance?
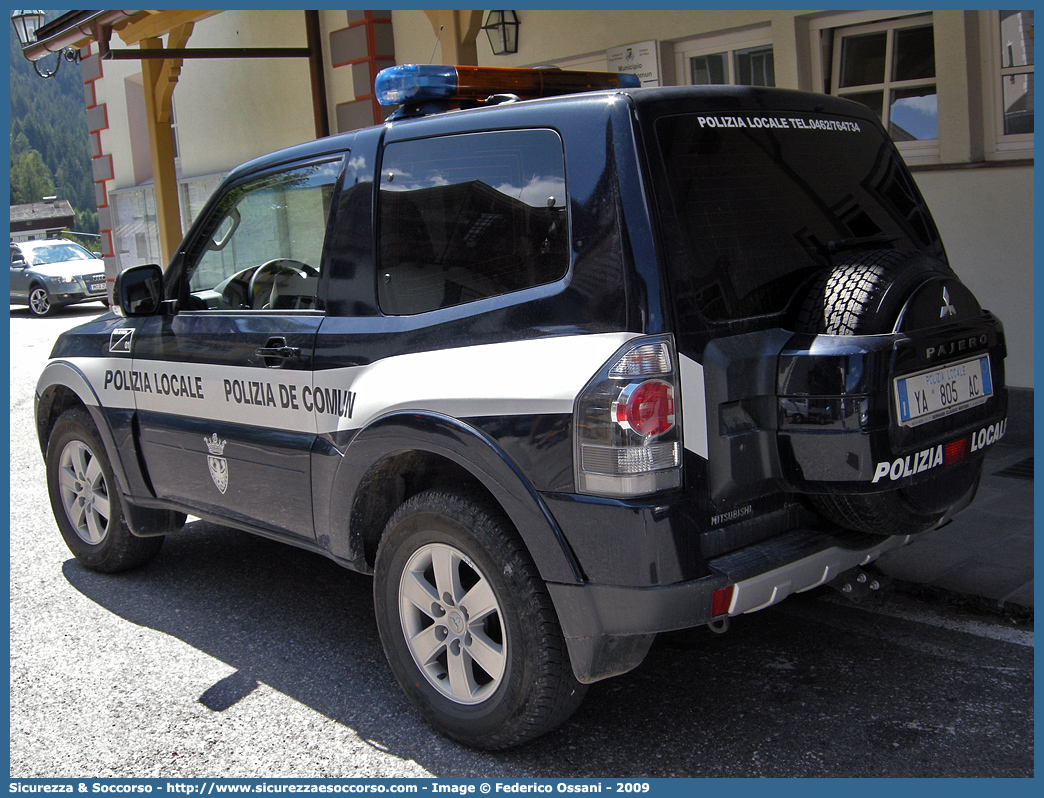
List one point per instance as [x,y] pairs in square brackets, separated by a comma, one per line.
[218,464]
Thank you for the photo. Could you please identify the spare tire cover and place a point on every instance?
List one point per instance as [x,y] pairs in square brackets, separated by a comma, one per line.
[880,292]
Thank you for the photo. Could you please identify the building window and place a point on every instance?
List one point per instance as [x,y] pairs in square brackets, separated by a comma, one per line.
[1009,83]
[1016,30]
[739,58]
[890,67]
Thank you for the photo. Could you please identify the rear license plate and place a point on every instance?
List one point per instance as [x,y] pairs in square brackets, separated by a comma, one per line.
[929,395]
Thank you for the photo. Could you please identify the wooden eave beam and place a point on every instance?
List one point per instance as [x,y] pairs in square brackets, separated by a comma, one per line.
[153,24]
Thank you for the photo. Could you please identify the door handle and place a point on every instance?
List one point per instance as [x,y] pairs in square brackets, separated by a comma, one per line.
[276,351]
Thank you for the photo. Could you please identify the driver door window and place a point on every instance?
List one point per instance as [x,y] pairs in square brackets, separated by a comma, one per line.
[263,250]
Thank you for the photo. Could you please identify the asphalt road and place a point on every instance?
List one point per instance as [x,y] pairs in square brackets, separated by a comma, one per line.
[235,656]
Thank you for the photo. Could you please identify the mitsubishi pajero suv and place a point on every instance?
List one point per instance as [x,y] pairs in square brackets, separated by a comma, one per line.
[562,362]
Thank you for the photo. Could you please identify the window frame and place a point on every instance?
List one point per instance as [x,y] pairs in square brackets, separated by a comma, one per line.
[998,145]
[718,43]
[914,152]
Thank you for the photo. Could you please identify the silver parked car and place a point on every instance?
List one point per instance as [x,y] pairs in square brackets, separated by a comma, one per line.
[45,275]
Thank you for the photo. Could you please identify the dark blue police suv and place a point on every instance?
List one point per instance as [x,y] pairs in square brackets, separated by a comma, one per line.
[562,362]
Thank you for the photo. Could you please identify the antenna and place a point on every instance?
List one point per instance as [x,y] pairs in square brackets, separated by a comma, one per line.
[433,49]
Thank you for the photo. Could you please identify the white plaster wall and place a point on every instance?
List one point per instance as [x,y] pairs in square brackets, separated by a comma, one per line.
[985,217]
[339,85]
[229,111]
[116,138]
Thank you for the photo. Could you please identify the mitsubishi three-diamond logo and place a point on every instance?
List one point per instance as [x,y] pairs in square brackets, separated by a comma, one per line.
[947,308]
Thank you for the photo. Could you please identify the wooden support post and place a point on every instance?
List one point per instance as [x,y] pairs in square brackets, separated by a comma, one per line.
[459,31]
[317,74]
[160,78]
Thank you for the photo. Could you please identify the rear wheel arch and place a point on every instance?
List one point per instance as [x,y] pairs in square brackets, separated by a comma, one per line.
[396,478]
[401,455]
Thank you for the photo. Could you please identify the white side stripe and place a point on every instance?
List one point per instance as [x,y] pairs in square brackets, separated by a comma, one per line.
[694,406]
[515,378]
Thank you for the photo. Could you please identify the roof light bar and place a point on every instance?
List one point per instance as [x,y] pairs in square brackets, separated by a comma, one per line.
[414,83]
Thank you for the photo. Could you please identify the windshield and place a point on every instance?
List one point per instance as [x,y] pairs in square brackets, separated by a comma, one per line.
[56,253]
[756,202]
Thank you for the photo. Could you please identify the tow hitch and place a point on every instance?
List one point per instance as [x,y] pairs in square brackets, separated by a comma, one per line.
[857,583]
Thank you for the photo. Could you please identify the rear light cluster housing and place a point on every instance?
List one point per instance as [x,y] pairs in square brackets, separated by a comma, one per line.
[628,439]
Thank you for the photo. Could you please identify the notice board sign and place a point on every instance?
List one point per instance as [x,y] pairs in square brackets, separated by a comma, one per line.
[638,59]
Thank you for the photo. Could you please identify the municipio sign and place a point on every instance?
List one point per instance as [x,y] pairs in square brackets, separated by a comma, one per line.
[637,59]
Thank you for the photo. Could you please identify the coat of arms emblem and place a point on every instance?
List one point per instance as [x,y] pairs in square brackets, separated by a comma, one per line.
[218,464]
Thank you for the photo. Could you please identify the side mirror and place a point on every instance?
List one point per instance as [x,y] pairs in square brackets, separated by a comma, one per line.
[138,290]
[19,263]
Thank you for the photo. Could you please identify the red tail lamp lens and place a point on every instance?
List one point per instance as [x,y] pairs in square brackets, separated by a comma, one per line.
[646,408]
[721,600]
[955,451]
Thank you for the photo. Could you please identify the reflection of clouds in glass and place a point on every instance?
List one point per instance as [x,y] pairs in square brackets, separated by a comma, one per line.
[536,191]
[398,180]
[926,105]
[358,163]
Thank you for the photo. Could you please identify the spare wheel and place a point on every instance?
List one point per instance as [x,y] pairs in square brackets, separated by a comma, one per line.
[881,292]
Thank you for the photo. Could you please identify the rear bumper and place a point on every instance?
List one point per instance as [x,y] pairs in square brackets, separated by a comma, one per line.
[758,588]
[608,629]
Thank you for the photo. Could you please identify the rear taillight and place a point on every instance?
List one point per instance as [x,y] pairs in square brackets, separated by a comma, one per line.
[646,408]
[628,436]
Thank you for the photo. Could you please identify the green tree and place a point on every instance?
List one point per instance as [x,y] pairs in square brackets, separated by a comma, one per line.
[19,142]
[30,179]
[87,222]
[48,116]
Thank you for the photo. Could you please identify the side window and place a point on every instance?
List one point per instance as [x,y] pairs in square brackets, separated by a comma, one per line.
[263,247]
[470,216]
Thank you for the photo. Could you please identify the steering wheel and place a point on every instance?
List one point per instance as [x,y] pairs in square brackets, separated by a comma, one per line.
[270,269]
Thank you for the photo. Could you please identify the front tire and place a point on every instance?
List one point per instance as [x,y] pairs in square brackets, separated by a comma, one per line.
[467,625]
[85,499]
[40,301]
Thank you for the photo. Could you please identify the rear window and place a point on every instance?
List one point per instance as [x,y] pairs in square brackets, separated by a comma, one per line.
[754,203]
[470,216]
